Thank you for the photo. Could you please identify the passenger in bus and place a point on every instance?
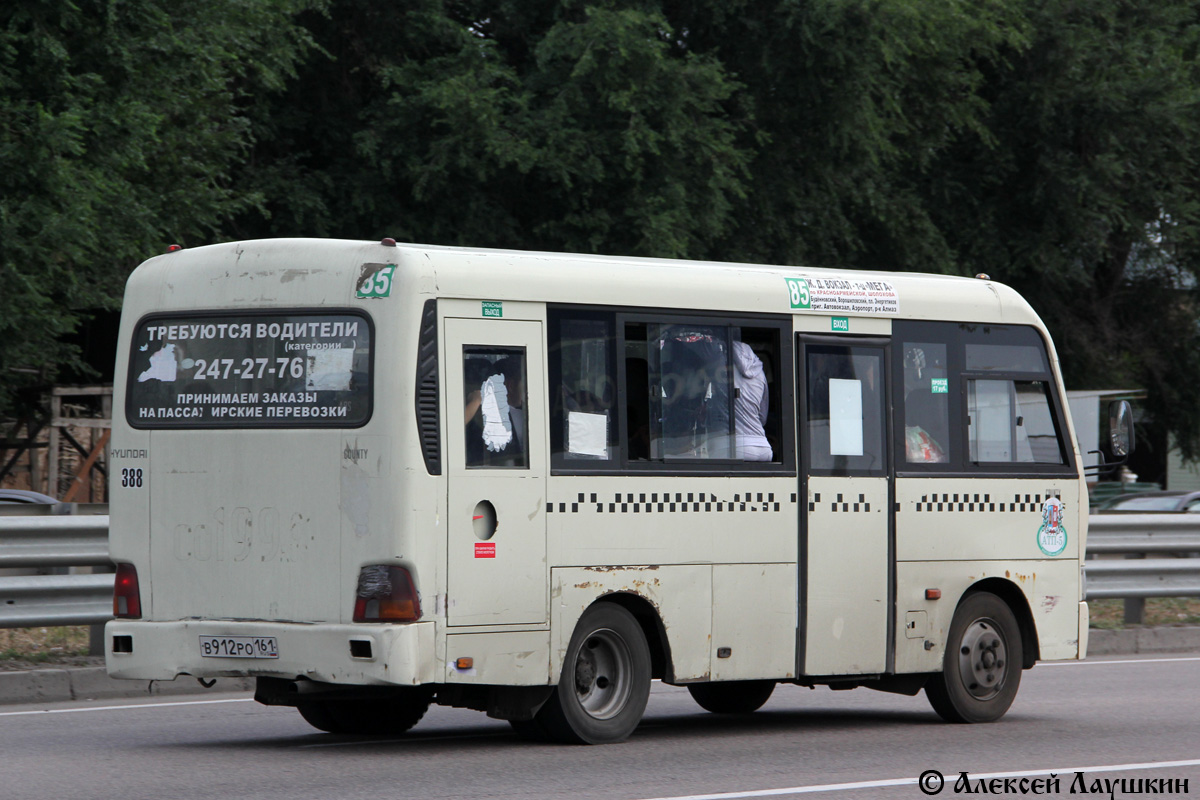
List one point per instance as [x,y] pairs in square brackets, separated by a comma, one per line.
[475,373]
[750,405]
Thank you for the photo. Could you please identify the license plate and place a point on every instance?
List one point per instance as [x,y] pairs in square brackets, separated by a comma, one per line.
[239,646]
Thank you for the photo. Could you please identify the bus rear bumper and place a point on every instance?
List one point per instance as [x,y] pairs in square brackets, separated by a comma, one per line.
[398,655]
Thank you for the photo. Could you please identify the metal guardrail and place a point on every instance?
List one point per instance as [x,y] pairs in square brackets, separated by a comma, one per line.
[1143,533]
[30,601]
[1135,577]
[54,542]
[53,537]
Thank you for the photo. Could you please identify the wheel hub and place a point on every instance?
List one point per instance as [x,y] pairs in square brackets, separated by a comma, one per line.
[603,674]
[983,658]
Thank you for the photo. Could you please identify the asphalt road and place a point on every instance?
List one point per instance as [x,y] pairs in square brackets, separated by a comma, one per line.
[1117,717]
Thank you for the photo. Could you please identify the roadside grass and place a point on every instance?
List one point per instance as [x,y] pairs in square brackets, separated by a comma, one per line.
[1110,614]
[43,645]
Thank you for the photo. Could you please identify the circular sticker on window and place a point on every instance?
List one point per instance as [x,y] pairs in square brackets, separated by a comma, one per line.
[1052,536]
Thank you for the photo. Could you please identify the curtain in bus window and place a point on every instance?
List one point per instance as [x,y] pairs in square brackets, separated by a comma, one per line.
[691,367]
[1011,421]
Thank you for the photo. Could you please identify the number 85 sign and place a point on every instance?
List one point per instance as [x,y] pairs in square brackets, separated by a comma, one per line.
[798,292]
[378,283]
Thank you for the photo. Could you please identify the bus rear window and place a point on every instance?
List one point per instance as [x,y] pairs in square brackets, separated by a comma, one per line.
[220,370]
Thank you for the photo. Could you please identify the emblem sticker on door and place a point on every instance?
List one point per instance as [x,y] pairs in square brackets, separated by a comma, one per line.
[1052,536]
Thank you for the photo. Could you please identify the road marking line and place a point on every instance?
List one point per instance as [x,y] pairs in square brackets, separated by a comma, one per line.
[124,707]
[841,787]
[1120,661]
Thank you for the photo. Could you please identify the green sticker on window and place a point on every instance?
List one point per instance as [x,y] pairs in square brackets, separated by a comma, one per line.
[840,324]
[493,308]
[798,292]
[939,386]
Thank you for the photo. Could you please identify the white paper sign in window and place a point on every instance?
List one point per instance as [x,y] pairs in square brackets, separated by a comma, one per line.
[330,369]
[497,427]
[587,434]
[845,417]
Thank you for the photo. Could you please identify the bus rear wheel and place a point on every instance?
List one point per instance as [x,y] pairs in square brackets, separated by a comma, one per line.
[982,666]
[605,681]
[732,697]
[384,717]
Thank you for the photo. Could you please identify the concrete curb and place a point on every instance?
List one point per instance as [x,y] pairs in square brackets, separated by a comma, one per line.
[1130,641]
[92,683]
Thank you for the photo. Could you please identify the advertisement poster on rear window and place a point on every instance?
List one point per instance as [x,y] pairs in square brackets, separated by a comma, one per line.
[218,370]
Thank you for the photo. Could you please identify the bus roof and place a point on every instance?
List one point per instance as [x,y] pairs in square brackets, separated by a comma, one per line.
[242,272]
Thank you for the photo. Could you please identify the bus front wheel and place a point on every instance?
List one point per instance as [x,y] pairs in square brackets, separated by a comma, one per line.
[605,681]
[732,697]
[982,666]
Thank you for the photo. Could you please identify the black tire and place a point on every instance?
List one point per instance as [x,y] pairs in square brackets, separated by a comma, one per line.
[529,729]
[732,697]
[981,670]
[605,680]
[387,716]
[318,714]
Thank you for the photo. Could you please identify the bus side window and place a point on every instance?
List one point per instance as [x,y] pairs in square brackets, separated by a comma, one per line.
[664,391]
[691,364]
[494,407]
[583,380]
[702,392]
[1011,421]
[926,403]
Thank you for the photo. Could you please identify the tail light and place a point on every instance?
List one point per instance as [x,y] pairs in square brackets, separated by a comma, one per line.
[386,594]
[127,598]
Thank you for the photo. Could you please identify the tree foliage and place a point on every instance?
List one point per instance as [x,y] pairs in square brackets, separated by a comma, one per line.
[1049,143]
[120,130]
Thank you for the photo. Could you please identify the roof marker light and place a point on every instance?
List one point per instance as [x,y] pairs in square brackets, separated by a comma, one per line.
[171,248]
[388,242]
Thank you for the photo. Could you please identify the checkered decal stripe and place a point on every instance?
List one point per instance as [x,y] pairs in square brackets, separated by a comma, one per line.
[840,504]
[668,503]
[976,502]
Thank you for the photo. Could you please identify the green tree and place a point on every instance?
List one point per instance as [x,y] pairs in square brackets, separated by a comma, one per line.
[120,123]
[519,124]
[1085,196]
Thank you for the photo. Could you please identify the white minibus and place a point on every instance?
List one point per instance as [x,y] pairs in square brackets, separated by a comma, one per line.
[375,475]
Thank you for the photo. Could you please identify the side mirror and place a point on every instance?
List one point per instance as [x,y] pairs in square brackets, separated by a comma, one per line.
[1120,429]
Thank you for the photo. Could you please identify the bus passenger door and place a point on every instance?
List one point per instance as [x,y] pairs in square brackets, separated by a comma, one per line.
[495,419]
[845,539]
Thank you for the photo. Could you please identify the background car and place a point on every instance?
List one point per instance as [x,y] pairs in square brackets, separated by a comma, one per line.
[1146,502]
[24,496]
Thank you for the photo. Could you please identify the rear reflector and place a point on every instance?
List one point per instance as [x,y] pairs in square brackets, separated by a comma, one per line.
[386,594]
[127,598]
